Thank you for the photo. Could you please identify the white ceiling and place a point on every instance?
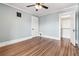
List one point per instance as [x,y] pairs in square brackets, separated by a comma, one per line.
[52,7]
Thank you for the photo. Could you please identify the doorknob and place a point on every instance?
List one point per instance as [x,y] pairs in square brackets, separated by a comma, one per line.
[73,30]
[32,28]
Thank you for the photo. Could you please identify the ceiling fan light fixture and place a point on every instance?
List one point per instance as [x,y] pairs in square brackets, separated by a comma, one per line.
[38,6]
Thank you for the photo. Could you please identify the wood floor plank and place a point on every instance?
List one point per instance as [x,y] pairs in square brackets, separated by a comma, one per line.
[39,46]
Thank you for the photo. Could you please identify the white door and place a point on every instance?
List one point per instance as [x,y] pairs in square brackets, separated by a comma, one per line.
[68,26]
[35,31]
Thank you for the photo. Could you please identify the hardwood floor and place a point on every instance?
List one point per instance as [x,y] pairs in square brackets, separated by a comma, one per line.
[40,47]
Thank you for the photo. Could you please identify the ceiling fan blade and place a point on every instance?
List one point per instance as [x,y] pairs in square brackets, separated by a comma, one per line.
[44,6]
[30,5]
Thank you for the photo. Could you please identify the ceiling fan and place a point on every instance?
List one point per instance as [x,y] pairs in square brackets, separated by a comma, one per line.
[38,6]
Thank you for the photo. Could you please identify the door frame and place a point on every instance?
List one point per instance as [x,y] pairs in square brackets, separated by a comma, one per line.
[60,33]
[32,27]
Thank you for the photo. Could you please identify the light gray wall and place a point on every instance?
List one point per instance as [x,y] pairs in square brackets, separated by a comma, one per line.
[78,23]
[49,25]
[12,27]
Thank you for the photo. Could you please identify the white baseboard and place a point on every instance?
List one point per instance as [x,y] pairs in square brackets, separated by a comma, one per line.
[57,38]
[22,39]
[14,41]
[76,41]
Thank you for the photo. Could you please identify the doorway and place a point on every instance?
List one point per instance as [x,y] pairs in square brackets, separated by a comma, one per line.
[35,30]
[67,26]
